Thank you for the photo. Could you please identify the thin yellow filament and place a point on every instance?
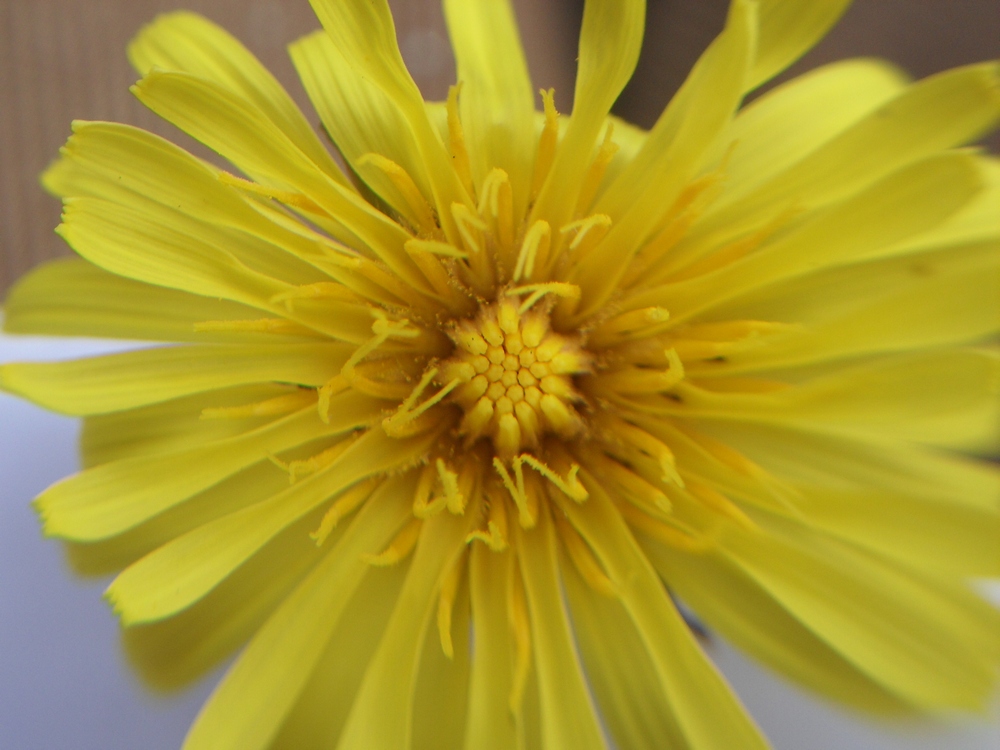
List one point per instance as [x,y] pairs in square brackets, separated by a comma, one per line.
[269,407]
[297,200]
[420,209]
[456,140]
[446,602]
[546,143]
[592,180]
[400,547]
[343,506]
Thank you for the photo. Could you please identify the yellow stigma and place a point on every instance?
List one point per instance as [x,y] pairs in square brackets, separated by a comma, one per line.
[516,376]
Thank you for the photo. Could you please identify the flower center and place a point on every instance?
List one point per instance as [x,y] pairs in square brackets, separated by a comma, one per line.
[516,376]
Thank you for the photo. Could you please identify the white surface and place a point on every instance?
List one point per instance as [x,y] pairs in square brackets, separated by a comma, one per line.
[64,684]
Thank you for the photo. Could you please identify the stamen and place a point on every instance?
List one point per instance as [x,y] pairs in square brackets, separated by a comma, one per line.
[716,501]
[555,288]
[591,228]
[496,533]
[595,174]
[395,425]
[313,464]
[383,329]
[583,558]
[262,325]
[449,483]
[638,438]
[270,407]
[423,505]
[633,486]
[421,209]
[298,200]
[456,139]
[520,627]
[534,249]
[546,143]
[686,540]
[337,384]
[344,505]
[434,247]
[526,502]
[569,486]
[401,546]
[446,602]
[497,200]
[319,290]
[636,380]
[627,326]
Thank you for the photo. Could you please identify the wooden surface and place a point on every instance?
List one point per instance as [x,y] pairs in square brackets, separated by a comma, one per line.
[65,59]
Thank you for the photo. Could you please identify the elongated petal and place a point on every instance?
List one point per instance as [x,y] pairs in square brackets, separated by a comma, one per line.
[901,206]
[940,112]
[181,572]
[277,663]
[360,118]
[324,702]
[744,614]
[491,725]
[364,33]
[610,40]
[619,671]
[108,499]
[124,381]
[497,103]
[707,712]
[569,717]
[71,297]
[188,43]
[915,640]
[227,125]
[863,488]
[788,29]
[894,304]
[670,156]
[382,713]
[786,124]
[172,653]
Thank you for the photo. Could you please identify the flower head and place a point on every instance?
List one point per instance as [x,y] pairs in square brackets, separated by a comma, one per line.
[446,429]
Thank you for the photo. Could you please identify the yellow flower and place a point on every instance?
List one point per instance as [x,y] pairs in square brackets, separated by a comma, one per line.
[444,430]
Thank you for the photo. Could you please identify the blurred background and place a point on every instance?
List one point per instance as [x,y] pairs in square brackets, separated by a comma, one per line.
[63,682]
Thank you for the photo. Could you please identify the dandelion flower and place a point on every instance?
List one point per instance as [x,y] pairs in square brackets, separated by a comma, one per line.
[443,433]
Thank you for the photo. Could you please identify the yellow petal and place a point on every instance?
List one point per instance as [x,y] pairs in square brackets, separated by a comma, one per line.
[114,382]
[618,668]
[124,165]
[181,253]
[707,712]
[786,124]
[71,297]
[901,206]
[358,116]
[937,113]
[936,298]
[670,156]
[323,703]
[363,32]
[736,607]
[229,126]
[188,43]
[936,649]
[382,713]
[569,717]
[490,726]
[788,29]
[108,499]
[610,39]
[277,663]
[497,102]
[181,572]
[172,653]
